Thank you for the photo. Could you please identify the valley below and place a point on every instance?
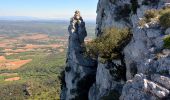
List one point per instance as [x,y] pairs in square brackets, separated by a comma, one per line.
[32,56]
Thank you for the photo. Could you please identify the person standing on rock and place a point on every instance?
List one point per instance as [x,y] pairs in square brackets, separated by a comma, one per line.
[76,20]
[77,15]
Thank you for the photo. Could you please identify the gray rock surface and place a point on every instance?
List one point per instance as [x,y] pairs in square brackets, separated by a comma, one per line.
[140,88]
[78,67]
[144,54]
[167,31]
[109,81]
[162,80]
[105,83]
[142,72]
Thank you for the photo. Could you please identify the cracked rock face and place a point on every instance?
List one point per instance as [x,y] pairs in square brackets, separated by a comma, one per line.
[146,43]
[106,85]
[144,54]
[109,81]
[143,70]
[140,88]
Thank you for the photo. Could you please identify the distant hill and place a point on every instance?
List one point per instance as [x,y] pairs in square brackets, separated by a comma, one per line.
[29,18]
[18,18]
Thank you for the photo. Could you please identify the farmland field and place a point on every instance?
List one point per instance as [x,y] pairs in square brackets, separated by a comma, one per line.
[32,55]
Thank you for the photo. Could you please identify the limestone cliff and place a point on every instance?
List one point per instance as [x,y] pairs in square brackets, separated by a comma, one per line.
[144,61]
[80,70]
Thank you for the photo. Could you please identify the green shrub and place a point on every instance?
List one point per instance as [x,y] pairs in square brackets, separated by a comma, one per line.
[165,19]
[12,91]
[109,44]
[167,42]
[164,10]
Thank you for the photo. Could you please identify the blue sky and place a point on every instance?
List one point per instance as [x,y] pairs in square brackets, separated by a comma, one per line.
[62,9]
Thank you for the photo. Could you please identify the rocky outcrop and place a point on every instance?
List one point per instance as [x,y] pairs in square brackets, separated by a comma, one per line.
[80,70]
[142,72]
[144,54]
[140,88]
[110,76]
[107,85]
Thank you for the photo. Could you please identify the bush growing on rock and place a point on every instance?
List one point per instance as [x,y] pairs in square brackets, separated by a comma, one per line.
[109,44]
[165,19]
[142,22]
[162,16]
[149,14]
[167,42]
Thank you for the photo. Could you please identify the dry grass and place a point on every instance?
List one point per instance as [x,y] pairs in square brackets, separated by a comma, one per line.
[13,79]
[2,59]
[12,64]
[61,50]
[3,45]
[9,74]
[34,37]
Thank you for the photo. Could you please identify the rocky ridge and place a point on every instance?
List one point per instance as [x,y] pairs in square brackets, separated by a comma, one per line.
[145,61]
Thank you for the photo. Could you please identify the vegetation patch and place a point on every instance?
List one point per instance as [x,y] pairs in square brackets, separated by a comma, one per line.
[108,45]
[12,91]
[149,14]
[39,78]
[167,42]
[165,19]
[162,16]
[150,2]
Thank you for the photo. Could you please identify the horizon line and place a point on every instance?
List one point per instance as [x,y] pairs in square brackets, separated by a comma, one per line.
[39,18]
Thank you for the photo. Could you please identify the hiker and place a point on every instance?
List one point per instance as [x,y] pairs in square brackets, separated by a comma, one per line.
[76,20]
